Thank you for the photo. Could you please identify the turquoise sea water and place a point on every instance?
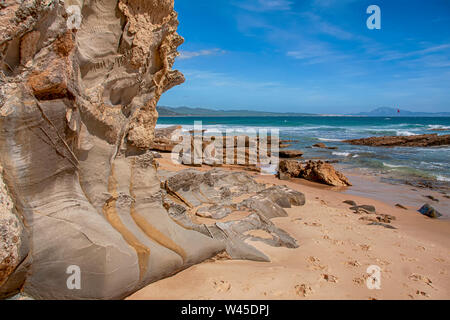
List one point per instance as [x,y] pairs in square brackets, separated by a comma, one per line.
[401,164]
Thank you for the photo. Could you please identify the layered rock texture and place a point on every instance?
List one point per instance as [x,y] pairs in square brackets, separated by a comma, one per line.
[79,187]
[77,114]
[227,206]
[316,171]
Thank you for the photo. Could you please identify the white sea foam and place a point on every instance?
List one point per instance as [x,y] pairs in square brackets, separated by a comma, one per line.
[392,165]
[344,154]
[330,140]
[405,133]
[437,126]
[442,178]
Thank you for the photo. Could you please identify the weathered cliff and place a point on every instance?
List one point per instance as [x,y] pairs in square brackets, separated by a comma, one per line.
[80,198]
[77,114]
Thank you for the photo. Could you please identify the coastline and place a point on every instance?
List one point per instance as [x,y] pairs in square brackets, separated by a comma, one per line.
[335,249]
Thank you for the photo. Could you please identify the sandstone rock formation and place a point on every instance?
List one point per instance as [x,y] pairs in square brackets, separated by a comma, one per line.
[316,171]
[80,187]
[77,115]
[166,138]
[13,244]
[217,194]
[424,140]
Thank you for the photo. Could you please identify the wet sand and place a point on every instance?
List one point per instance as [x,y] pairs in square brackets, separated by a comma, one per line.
[335,250]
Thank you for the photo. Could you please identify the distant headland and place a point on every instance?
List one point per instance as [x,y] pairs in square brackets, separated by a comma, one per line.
[165,111]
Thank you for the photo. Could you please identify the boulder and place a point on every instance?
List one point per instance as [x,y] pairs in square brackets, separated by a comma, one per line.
[429,211]
[318,171]
[291,168]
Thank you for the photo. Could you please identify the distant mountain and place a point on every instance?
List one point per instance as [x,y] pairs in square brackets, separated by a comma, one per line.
[393,112]
[203,112]
[187,111]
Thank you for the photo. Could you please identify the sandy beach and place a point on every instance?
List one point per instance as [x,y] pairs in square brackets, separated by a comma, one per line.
[335,250]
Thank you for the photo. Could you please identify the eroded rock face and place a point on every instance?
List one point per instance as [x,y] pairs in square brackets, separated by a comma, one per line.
[13,244]
[218,194]
[77,114]
[316,171]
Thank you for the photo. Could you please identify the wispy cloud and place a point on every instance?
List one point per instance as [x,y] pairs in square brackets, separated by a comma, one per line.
[319,25]
[219,79]
[331,3]
[265,5]
[317,52]
[395,55]
[184,55]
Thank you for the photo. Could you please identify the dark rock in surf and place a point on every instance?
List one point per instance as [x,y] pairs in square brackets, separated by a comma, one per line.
[429,211]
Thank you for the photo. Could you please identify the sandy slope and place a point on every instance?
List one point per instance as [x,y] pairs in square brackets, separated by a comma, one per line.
[331,262]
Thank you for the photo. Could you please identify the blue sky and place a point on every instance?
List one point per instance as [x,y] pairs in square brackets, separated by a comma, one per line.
[313,56]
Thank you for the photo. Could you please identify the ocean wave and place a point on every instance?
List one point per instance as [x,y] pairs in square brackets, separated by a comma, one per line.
[393,165]
[405,133]
[344,154]
[442,178]
[438,126]
[330,140]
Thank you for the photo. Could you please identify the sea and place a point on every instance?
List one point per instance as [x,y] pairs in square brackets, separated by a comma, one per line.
[423,167]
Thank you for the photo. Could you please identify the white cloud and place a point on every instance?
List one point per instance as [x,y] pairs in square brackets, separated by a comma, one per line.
[317,52]
[184,55]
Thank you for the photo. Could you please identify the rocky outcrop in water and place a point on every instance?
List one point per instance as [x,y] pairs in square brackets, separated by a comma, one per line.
[77,116]
[290,153]
[424,140]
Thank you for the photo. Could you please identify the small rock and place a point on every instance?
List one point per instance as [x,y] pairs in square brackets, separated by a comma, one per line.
[290,153]
[429,211]
[364,208]
[350,202]
[398,205]
[318,171]
[382,225]
[432,198]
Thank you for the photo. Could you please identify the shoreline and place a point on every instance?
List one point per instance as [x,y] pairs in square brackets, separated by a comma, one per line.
[335,249]
[419,167]
[370,185]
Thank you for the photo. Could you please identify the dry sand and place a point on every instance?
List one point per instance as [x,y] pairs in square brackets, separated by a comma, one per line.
[335,250]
